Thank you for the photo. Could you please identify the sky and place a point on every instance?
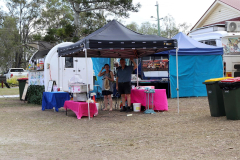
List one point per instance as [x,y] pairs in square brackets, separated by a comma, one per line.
[189,11]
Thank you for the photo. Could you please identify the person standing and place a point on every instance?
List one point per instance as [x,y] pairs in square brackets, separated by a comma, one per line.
[116,65]
[107,87]
[123,82]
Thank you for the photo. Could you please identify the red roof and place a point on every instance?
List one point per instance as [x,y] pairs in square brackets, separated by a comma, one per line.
[233,3]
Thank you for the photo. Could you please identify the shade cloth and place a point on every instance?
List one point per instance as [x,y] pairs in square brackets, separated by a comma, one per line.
[193,70]
[160,98]
[54,99]
[81,108]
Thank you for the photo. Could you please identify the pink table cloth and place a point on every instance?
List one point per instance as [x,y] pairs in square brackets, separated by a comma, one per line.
[160,98]
[81,108]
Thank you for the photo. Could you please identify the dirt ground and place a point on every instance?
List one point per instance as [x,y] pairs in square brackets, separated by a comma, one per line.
[29,133]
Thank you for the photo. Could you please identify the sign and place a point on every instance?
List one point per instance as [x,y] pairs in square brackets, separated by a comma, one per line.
[25,91]
[36,78]
[231,46]
[155,65]
[50,86]
[3,78]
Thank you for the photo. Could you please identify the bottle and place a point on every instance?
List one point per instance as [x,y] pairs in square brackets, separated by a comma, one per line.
[121,105]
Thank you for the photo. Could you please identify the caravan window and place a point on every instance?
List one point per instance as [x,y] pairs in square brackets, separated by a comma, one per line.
[68,62]
[209,42]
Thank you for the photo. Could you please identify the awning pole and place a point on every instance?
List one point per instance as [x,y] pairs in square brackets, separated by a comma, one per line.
[137,72]
[177,79]
[87,80]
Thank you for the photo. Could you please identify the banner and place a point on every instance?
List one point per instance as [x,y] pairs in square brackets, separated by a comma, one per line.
[155,65]
[231,46]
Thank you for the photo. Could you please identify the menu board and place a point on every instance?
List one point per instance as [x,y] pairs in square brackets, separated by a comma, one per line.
[36,78]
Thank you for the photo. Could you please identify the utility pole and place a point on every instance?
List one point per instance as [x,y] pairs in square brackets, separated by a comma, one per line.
[159,34]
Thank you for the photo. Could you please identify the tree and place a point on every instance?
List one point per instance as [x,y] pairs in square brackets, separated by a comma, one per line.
[169,28]
[56,14]
[184,27]
[117,7]
[133,26]
[8,43]
[148,28]
[27,14]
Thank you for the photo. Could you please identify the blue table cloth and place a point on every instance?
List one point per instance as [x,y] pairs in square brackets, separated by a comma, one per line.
[54,99]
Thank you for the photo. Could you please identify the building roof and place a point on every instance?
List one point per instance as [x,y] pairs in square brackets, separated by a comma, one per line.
[232,3]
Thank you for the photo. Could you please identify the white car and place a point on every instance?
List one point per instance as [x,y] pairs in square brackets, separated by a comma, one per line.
[16,72]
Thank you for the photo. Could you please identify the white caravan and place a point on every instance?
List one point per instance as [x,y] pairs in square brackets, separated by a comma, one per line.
[226,37]
[61,69]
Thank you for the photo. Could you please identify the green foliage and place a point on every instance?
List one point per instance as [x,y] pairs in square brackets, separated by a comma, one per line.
[9,42]
[37,37]
[13,81]
[60,34]
[34,94]
[168,27]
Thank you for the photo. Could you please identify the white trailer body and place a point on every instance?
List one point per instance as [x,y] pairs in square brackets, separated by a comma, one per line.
[61,69]
[230,41]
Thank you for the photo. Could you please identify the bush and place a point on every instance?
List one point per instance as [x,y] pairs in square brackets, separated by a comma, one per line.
[34,94]
[13,81]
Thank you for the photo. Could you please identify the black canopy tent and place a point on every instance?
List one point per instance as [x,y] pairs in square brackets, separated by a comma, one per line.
[114,40]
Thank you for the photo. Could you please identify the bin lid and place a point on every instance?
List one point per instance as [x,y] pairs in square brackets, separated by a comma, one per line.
[232,80]
[217,79]
[22,79]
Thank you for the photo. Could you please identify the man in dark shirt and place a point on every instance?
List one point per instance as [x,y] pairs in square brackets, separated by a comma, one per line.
[123,82]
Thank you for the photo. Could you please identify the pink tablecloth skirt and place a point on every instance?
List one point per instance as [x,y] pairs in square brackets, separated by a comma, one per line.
[160,98]
[81,108]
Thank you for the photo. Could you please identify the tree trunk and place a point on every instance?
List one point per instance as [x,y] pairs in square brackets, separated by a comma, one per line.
[76,14]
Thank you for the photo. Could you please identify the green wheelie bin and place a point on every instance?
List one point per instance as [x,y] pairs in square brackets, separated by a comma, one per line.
[231,97]
[215,97]
[22,82]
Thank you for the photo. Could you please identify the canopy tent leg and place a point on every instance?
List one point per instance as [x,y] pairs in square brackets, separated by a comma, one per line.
[137,72]
[87,80]
[177,79]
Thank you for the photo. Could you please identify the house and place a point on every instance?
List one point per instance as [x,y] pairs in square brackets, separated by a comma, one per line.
[220,26]
[220,12]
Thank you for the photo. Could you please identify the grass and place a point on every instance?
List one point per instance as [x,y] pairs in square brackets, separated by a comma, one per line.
[9,91]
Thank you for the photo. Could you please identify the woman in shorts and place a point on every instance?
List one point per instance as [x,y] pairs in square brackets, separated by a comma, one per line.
[107,87]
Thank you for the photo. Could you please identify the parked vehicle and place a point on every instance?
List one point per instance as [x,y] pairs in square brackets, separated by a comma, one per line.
[16,72]
[221,36]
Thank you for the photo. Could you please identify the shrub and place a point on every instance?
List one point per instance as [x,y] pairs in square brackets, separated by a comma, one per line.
[13,81]
[34,94]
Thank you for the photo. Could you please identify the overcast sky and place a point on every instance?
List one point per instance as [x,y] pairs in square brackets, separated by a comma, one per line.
[189,11]
[182,10]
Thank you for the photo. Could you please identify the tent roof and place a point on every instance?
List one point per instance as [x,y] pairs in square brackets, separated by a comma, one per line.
[116,41]
[189,46]
[42,47]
